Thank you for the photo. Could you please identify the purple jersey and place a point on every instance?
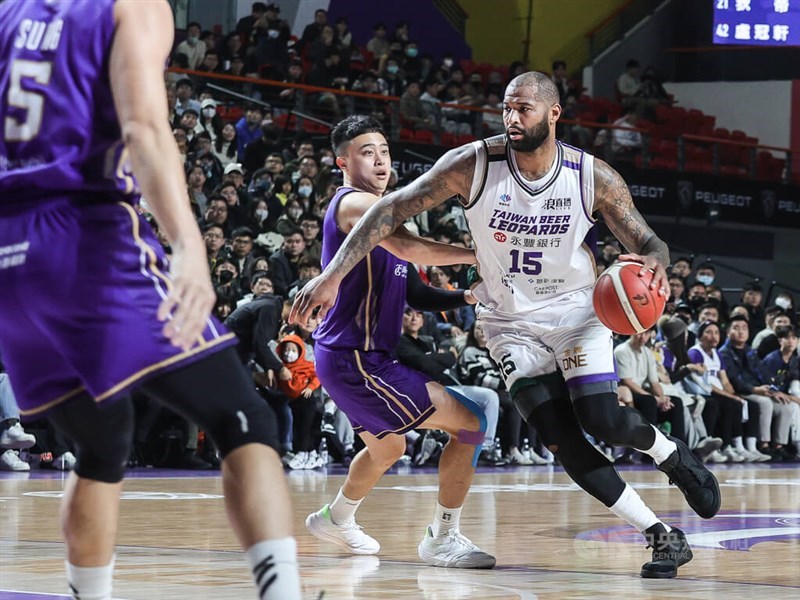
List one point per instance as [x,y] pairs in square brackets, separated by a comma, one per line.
[60,137]
[368,313]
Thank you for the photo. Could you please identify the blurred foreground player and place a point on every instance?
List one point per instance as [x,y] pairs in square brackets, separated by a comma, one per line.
[89,312]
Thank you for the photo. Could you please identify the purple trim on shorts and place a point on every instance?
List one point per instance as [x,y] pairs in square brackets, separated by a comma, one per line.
[596,378]
[406,428]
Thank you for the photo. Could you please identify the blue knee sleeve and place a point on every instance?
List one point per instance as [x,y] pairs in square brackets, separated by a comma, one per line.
[471,437]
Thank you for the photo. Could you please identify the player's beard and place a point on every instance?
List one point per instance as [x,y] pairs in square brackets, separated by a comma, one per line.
[532,138]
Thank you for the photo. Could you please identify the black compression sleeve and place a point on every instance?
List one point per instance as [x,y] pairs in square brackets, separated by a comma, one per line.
[427,297]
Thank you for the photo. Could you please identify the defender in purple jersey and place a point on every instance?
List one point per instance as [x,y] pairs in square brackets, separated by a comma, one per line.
[90,309]
[382,398]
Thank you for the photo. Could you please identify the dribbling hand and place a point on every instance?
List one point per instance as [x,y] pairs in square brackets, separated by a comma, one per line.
[191,299]
[650,263]
[318,294]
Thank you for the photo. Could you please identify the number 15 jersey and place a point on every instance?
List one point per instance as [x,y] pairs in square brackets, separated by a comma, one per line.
[529,235]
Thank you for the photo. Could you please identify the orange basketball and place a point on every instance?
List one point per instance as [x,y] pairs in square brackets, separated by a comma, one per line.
[624,301]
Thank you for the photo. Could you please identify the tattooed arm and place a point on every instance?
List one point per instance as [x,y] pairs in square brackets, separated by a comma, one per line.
[450,176]
[613,201]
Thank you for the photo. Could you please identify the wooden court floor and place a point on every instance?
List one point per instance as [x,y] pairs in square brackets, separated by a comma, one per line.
[552,541]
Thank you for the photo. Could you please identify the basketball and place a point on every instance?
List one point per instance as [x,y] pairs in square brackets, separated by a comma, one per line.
[624,301]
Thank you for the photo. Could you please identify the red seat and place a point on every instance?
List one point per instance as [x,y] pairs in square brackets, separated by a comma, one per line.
[698,167]
[448,139]
[732,171]
[406,134]
[660,162]
[423,135]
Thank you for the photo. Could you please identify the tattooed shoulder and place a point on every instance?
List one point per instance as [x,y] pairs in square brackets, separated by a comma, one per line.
[450,176]
[612,199]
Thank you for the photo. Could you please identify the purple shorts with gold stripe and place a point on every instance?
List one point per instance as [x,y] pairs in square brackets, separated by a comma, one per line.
[377,393]
[80,285]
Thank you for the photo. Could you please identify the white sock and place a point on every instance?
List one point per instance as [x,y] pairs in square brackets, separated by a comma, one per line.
[737,443]
[274,567]
[661,448]
[90,583]
[445,520]
[632,509]
[343,509]
[750,444]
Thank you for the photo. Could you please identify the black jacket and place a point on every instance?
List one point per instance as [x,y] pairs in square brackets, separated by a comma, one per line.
[419,353]
[256,324]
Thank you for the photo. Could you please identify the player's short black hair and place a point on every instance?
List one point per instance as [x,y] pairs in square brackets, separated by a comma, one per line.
[352,127]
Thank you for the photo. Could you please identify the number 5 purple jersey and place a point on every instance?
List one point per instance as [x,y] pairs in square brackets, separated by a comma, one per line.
[82,274]
[60,134]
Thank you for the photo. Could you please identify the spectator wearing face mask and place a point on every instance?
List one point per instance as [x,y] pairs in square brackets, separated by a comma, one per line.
[303,382]
[392,81]
[706,273]
[299,389]
[412,65]
[226,280]
[290,219]
[191,47]
[305,191]
[209,119]
[786,302]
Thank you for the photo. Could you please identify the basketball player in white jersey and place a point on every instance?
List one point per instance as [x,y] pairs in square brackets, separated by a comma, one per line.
[530,201]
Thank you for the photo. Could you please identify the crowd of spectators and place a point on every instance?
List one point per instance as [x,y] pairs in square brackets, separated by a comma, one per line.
[723,378]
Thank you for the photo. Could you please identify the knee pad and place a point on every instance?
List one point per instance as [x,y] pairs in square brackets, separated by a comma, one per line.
[601,417]
[102,437]
[252,422]
[529,393]
[465,436]
[558,427]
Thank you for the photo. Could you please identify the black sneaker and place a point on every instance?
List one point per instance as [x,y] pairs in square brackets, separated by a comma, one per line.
[698,484]
[670,551]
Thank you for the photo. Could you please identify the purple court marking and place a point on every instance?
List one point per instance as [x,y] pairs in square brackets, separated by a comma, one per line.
[729,530]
